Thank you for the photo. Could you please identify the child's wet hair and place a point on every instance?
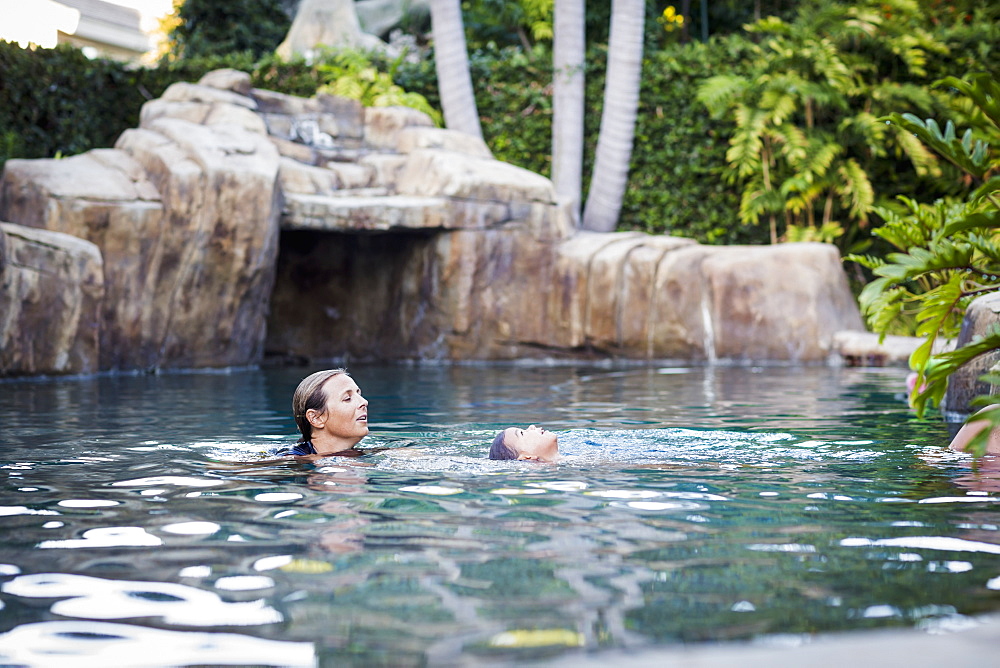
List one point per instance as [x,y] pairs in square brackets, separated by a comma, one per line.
[500,450]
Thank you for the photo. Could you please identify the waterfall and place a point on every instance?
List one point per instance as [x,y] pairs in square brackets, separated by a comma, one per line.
[708,329]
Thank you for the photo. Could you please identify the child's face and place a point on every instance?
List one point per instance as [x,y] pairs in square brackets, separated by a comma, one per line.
[533,443]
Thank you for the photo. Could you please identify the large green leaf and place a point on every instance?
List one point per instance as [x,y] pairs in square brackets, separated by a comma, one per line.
[936,371]
[968,155]
[988,189]
[981,345]
[977,446]
[986,221]
[983,90]
[939,256]
[938,309]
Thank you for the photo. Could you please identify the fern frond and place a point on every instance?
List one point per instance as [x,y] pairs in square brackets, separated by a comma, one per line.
[769,24]
[821,157]
[866,261]
[910,50]
[924,161]
[744,153]
[721,92]
[757,202]
[856,189]
[867,129]
[794,142]
[781,104]
[804,198]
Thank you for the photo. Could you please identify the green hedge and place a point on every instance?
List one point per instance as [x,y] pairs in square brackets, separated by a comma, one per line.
[679,154]
[675,184]
[57,102]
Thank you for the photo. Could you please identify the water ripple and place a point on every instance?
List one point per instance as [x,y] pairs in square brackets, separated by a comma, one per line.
[97,598]
[102,644]
[106,537]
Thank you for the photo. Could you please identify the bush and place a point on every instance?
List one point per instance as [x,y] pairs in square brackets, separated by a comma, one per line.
[206,28]
[948,252]
[675,186]
[57,102]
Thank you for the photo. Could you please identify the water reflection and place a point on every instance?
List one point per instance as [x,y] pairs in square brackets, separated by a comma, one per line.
[96,598]
[97,644]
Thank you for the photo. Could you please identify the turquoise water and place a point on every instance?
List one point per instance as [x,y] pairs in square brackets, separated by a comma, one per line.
[141,526]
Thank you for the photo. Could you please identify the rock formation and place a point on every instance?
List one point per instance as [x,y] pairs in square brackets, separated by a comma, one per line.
[398,240]
[185,213]
[380,17]
[982,316]
[51,291]
[331,23]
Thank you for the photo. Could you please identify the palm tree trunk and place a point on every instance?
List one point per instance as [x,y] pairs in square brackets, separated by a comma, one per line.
[567,105]
[452,63]
[621,103]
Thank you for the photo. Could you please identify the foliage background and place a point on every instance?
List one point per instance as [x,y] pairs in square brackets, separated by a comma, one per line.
[56,102]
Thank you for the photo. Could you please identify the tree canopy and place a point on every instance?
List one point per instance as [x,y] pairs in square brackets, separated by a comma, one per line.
[203,28]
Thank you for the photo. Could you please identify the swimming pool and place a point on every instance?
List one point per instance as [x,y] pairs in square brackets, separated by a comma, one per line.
[694,505]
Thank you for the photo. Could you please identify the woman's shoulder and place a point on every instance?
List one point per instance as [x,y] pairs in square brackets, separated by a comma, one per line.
[297,450]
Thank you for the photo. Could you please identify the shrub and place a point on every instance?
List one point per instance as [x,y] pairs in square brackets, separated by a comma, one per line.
[947,252]
[58,102]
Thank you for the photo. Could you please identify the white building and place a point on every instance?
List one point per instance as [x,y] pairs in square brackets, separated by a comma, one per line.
[100,29]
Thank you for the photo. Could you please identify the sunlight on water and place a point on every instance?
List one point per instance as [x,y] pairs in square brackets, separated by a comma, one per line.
[99,645]
[106,537]
[690,505]
[96,598]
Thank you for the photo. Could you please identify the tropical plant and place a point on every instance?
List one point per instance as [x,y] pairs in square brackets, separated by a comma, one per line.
[351,74]
[507,22]
[949,250]
[807,142]
[200,28]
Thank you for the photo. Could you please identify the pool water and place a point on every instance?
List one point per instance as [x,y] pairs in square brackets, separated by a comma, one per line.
[141,522]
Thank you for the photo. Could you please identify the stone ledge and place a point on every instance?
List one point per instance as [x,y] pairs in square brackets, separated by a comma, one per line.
[864,349]
[346,214]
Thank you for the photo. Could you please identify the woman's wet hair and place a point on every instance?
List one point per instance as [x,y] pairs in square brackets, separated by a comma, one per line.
[310,395]
[500,450]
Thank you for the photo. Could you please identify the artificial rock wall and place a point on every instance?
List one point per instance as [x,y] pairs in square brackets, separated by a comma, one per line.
[236,222]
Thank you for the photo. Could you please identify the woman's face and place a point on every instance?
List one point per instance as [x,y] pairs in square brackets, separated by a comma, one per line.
[346,414]
[533,443]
